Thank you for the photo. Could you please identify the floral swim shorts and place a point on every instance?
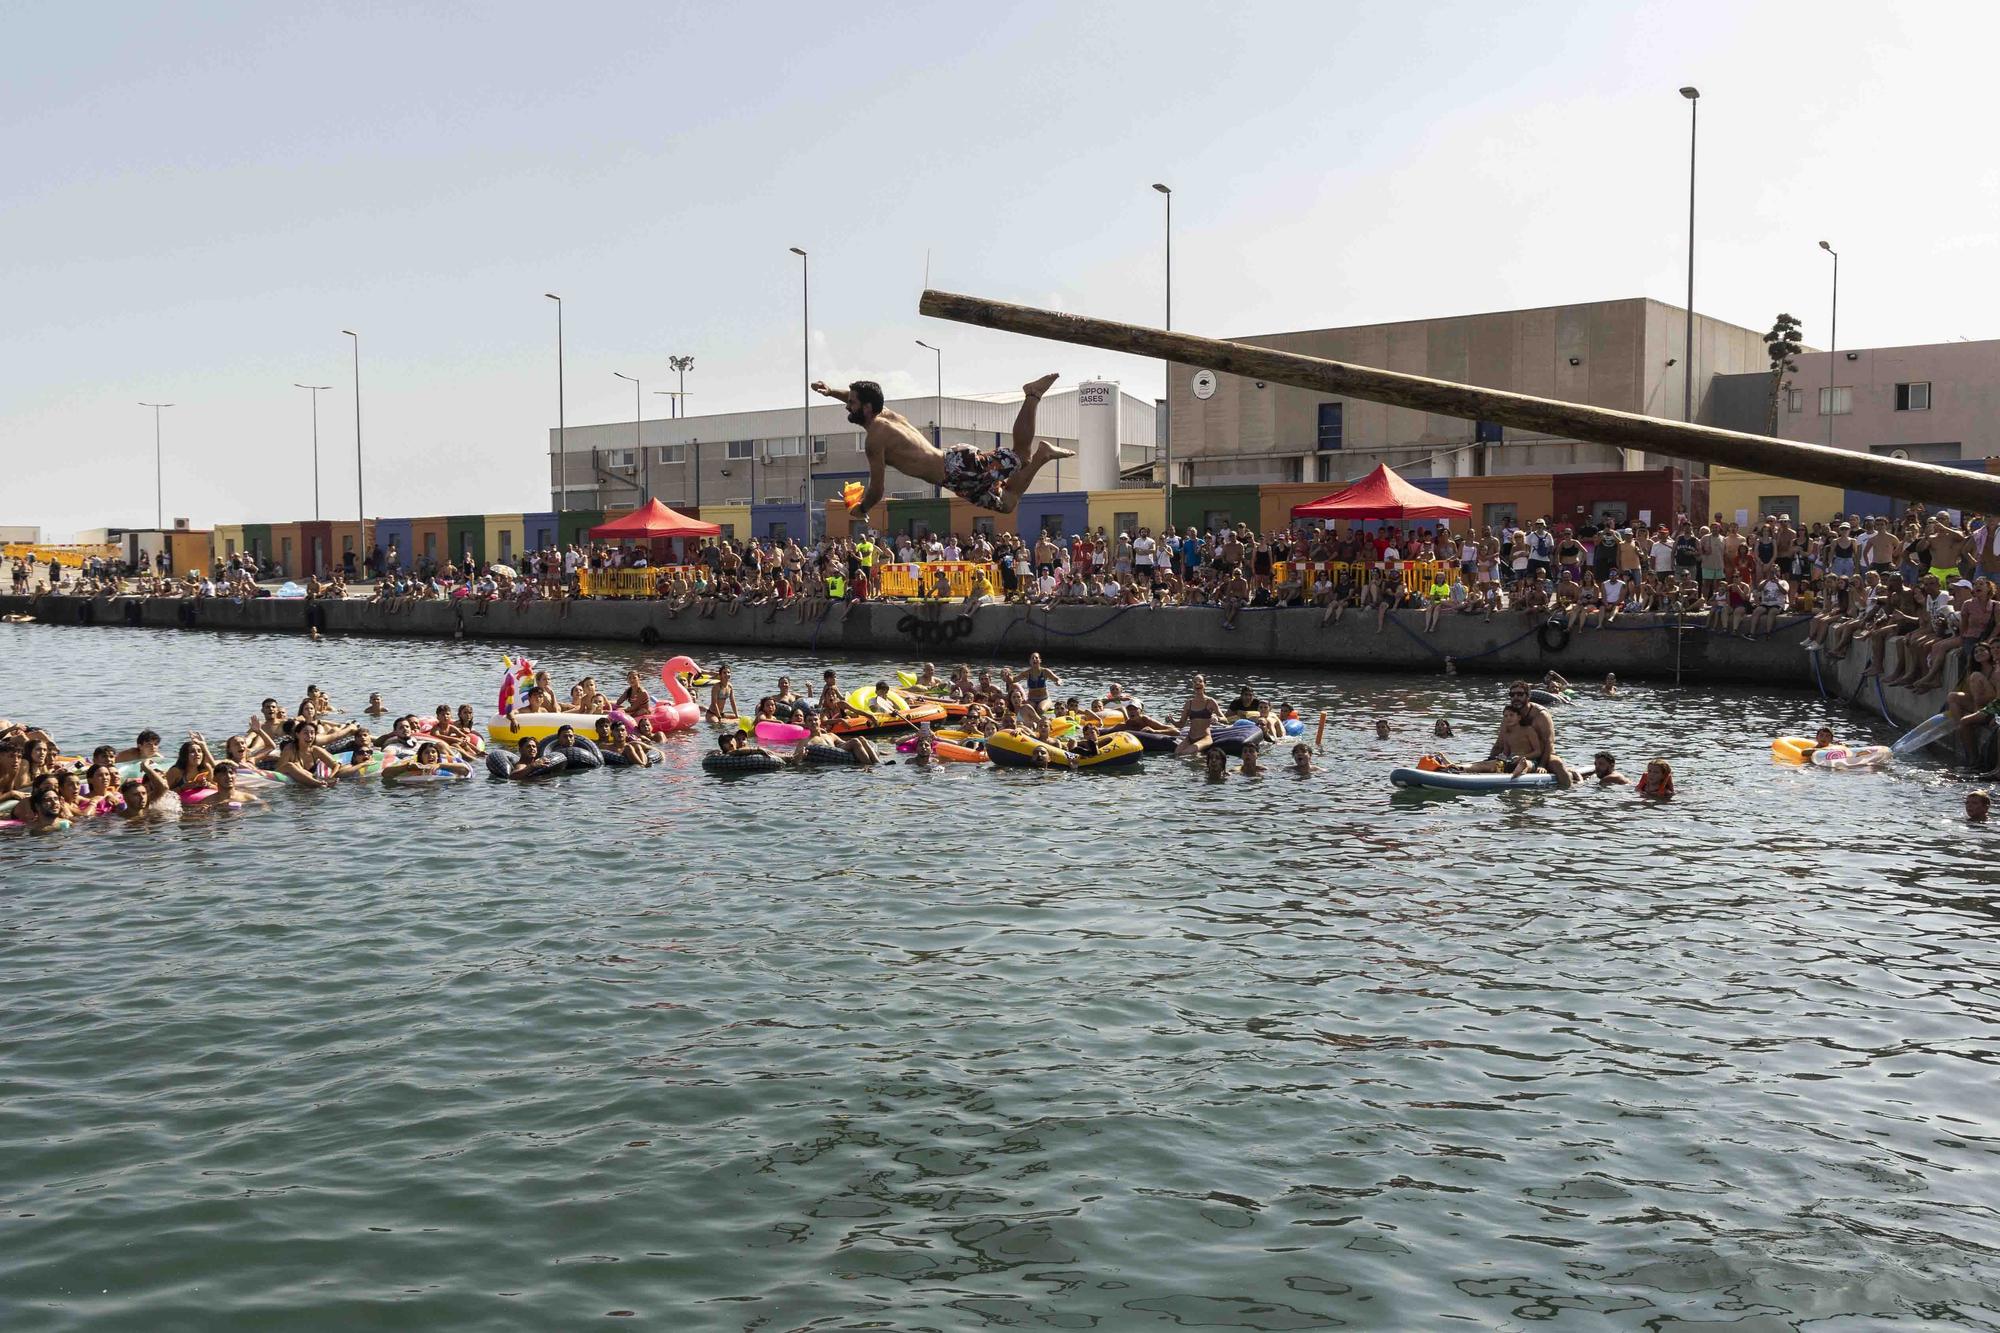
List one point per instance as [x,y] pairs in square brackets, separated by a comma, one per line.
[979,477]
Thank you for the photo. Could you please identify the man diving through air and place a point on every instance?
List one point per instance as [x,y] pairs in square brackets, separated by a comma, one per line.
[995,480]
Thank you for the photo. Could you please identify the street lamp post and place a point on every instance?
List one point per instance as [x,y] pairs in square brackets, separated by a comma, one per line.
[360,500]
[1167,397]
[562,416]
[673,398]
[805,372]
[1693,96]
[1833,340]
[315,398]
[638,448]
[159,471]
[681,365]
[937,427]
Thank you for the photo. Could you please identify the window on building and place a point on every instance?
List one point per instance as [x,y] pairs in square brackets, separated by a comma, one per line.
[1213,520]
[783,446]
[1052,525]
[860,443]
[728,531]
[1951,451]
[1330,425]
[618,458]
[984,527]
[1323,468]
[1778,505]
[1501,515]
[1487,432]
[1836,401]
[347,545]
[229,546]
[780,531]
[739,449]
[1295,469]
[285,553]
[673,453]
[1608,513]
[1795,400]
[1126,523]
[506,546]
[819,446]
[1914,397]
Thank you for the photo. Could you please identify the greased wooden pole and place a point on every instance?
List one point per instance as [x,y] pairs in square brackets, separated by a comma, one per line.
[1901,478]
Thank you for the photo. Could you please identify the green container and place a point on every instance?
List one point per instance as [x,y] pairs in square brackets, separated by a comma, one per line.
[465,532]
[575,524]
[1196,506]
[919,516]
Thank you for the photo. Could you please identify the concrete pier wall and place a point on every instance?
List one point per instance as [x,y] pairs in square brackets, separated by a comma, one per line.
[1639,647]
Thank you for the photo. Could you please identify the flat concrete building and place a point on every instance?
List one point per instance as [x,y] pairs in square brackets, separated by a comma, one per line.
[758,458]
[1935,403]
[1626,355]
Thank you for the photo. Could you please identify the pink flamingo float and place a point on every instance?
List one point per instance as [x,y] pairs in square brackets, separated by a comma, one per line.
[682,711]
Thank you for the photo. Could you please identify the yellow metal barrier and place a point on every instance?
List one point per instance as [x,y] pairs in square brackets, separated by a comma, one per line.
[1416,575]
[617,582]
[71,556]
[942,578]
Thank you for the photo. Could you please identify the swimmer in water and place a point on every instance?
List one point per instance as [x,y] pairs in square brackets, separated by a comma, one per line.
[227,794]
[429,759]
[1658,781]
[1215,764]
[533,763]
[1302,760]
[1611,685]
[1822,740]
[1251,767]
[721,698]
[1977,803]
[1443,729]
[1381,728]
[133,792]
[1604,768]
[375,706]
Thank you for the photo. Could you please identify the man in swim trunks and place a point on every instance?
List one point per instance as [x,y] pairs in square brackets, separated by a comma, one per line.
[1531,740]
[993,480]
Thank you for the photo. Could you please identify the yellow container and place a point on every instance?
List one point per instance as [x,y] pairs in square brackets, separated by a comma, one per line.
[1126,511]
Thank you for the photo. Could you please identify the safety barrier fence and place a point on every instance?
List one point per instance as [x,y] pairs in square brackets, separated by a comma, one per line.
[626,582]
[70,556]
[939,578]
[1415,575]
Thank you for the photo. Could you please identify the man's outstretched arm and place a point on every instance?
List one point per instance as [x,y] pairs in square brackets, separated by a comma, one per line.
[842,395]
[872,496]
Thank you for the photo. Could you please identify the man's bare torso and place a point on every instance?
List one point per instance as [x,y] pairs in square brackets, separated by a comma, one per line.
[894,441]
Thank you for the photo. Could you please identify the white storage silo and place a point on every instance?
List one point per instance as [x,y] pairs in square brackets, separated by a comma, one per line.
[1097,423]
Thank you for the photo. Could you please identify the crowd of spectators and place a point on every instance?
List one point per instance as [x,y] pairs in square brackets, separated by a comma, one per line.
[1864,582]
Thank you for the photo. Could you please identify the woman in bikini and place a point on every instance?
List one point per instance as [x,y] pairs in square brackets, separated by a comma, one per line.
[1198,716]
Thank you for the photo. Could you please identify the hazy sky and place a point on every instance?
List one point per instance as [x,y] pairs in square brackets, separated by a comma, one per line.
[198,198]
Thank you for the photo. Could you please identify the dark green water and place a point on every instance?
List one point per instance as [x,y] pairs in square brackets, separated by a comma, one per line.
[966,1049]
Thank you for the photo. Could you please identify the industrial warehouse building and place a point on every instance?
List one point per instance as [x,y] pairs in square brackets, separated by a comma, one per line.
[755,461]
[1626,355]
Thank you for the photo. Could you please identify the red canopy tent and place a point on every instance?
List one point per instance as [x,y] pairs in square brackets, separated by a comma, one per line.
[654,523]
[1383,494]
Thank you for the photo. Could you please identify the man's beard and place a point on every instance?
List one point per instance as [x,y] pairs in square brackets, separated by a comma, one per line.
[854,415]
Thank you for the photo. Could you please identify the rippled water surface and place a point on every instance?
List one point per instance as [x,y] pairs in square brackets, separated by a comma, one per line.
[965,1049]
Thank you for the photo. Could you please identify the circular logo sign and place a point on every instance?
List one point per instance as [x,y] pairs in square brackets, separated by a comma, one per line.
[1204,384]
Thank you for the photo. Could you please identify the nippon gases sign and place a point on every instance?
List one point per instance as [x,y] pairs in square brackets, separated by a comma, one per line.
[1096,393]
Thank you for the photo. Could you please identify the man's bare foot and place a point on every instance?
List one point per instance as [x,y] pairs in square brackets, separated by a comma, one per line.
[1045,452]
[1036,388]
